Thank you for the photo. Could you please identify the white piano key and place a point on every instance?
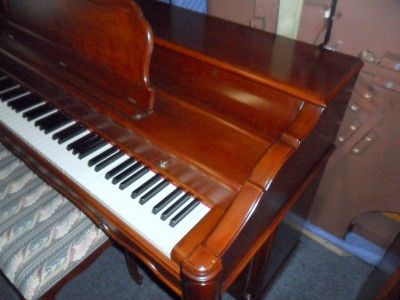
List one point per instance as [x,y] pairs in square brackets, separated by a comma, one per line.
[139,217]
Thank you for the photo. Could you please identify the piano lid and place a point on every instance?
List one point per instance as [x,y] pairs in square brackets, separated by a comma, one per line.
[206,103]
[106,43]
[299,69]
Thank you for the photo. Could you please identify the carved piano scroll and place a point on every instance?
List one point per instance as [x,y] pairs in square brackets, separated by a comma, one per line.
[106,42]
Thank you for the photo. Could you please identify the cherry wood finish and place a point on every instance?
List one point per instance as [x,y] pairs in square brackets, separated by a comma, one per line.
[253,287]
[290,66]
[133,267]
[94,40]
[245,119]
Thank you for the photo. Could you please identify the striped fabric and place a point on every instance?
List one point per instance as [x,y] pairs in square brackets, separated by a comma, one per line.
[196,5]
[43,236]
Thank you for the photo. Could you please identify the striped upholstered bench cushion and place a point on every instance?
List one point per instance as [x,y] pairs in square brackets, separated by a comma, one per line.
[43,236]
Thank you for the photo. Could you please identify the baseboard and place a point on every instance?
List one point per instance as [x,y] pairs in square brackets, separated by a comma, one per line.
[352,244]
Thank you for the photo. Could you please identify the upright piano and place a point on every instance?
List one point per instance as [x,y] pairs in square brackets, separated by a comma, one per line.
[184,137]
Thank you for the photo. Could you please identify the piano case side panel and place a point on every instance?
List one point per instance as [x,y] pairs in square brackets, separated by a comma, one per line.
[260,217]
[305,165]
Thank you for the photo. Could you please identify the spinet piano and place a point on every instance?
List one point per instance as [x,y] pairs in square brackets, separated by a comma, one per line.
[184,137]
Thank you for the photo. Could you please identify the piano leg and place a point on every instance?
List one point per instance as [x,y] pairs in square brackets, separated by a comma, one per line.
[133,267]
[253,288]
[201,276]
[195,290]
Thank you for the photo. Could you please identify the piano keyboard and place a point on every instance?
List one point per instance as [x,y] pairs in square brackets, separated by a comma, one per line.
[151,205]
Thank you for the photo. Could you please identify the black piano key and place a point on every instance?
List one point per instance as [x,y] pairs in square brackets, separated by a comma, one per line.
[80,140]
[154,191]
[57,123]
[81,144]
[100,144]
[127,172]
[52,122]
[164,202]
[145,186]
[40,121]
[127,182]
[23,103]
[12,94]
[174,207]
[102,156]
[7,83]
[116,170]
[37,112]
[184,212]
[86,144]
[68,133]
[24,100]
[105,163]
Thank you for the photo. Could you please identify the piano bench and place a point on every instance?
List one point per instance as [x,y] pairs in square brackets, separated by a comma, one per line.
[44,238]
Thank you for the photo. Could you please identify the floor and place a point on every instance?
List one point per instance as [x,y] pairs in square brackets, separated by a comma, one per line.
[312,272]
